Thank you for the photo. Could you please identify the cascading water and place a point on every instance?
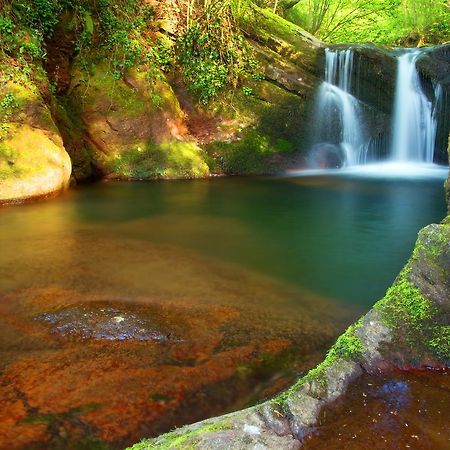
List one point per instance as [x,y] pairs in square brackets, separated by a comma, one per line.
[338,114]
[347,130]
[415,121]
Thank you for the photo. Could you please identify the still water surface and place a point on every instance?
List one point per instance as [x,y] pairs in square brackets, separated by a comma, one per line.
[343,237]
[128,309]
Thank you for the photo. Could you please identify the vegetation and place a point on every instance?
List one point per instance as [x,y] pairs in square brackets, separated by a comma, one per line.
[403,22]
[181,439]
[208,46]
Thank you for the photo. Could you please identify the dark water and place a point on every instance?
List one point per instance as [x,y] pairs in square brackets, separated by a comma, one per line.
[128,309]
[388,412]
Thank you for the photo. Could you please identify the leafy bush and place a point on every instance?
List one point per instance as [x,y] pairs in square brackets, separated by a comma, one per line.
[212,50]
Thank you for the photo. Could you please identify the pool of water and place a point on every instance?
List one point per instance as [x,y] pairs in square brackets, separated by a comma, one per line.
[340,236]
[391,411]
[129,308]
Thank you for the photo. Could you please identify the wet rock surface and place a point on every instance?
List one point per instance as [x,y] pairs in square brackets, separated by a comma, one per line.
[103,322]
[120,354]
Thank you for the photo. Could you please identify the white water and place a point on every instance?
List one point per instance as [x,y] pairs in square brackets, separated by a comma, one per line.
[338,113]
[339,125]
[383,170]
[415,123]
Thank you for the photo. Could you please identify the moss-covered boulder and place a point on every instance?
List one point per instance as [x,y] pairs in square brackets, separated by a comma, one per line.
[33,161]
[135,125]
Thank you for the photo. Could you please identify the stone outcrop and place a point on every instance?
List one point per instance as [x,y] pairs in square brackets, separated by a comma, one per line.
[33,161]
[135,126]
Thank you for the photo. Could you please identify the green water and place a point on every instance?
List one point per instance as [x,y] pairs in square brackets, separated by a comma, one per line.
[245,282]
[341,237]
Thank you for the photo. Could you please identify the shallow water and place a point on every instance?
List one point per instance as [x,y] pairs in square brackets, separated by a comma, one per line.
[128,309]
[390,411]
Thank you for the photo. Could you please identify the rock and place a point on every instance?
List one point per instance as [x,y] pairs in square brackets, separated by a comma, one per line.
[33,161]
[135,126]
[326,156]
[103,322]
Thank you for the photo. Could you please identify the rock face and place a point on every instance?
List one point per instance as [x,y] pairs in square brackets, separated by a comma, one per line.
[33,161]
[143,123]
[136,127]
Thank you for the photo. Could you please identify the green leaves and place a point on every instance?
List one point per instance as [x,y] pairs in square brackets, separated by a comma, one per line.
[88,23]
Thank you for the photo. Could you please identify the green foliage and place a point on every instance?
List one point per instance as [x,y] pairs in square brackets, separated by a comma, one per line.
[8,102]
[8,105]
[404,22]
[212,50]
[162,53]
[204,68]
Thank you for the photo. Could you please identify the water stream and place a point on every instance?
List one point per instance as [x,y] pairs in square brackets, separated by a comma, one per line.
[414,122]
[342,135]
[338,113]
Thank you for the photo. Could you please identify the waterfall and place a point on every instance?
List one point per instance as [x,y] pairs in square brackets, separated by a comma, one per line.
[338,113]
[346,130]
[415,119]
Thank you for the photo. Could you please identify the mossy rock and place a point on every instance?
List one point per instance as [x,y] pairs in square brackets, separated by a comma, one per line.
[33,161]
[166,160]
[135,125]
[408,328]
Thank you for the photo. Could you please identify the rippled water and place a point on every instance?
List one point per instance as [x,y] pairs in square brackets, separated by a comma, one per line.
[127,309]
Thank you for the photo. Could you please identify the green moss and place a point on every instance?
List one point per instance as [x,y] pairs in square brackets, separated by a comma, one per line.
[100,84]
[182,439]
[166,160]
[348,346]
[415,321]
[8,167]
[404,305]
[246,156]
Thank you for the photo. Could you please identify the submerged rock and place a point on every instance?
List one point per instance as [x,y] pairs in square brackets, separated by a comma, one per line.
[102,323]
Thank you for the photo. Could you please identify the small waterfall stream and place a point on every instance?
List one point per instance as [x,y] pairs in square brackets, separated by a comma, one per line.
[415,121]
[338,114]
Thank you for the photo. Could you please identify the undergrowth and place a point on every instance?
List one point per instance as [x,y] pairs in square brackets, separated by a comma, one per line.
[208,46]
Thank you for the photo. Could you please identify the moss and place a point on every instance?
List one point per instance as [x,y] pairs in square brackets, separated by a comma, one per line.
[246,156]
[100,85]
[348,346]
[268,25]
[415,321]
[404,304]
[181,439]
[166,160]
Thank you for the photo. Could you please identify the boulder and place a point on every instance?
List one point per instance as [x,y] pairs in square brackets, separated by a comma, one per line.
[33,161]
